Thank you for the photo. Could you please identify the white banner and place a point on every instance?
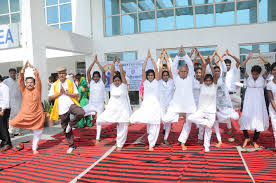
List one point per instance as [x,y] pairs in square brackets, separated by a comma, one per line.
[255,60]
[133,71]
[9,36]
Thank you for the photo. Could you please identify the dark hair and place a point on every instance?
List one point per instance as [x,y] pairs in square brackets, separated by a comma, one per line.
[150,71]
[216,67]
[165,65]
[117,75]
[272,66]
[197,68]
[165,72]
[227,61]
[96,73]
[30,78]
[12,70]
[78,76]
[1,78]
[208,76]
[256,68]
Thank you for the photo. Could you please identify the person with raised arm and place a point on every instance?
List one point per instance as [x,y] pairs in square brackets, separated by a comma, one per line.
[150,111]
[96,97]
[118,109]
[254,115]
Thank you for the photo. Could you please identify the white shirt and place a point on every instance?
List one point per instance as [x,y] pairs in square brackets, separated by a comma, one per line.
[230,78]
[166,92]
[4,96]
[272,87]
[196,90]
[97,91]
[64,101]
[207,98]
[127,79]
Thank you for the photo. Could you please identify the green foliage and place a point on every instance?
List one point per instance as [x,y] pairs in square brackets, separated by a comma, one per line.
[47,107]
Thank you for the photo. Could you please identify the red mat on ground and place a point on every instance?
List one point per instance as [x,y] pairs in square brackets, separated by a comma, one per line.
[169,163]
[53,164]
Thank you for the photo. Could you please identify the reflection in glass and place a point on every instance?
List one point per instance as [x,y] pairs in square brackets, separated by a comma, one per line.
[147,21]
[112,25]
[161,4]
[65,13]
[67,27]
[218,1]
[183,3]
[52,15]
[4,6]
[128,56]
[111,7]
[184,18]
[225,14]
[165,20]
[51,2]
[204,16]
[128,6]
[4,19]
[206,51]
[129,24]
[203,1]
[56,26]
[267,10]
[247,12]
[14,4]
[145,5]
[15,18]
[64,1]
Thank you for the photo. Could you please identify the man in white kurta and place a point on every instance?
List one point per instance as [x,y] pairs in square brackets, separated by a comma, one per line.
[183,100]
[15,99]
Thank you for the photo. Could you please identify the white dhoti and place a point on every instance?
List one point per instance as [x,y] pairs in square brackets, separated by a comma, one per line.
[36,138]
[167,127]
[272,114]
[153,133]
[122,129]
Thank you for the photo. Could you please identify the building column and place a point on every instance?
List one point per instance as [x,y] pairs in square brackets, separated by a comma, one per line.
[33,34]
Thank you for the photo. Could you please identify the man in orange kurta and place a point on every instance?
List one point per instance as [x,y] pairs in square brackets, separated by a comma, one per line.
[31,114]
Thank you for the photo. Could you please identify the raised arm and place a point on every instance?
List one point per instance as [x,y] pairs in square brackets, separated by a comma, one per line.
[103,71]
[122,72]
[248,58]
[20,81]
[189,63]
[238,61]
[161,66]
[169,68]
[261,57]
[204,67]
[90,68]
[112,70]
[155,69]
[38,85]
[144,77]
[200,56]
[192,52]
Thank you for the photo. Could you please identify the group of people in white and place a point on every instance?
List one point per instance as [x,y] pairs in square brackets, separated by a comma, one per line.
[201,95]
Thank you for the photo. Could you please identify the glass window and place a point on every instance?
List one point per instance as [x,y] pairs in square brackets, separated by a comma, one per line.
[4,6]
[203,1]
[247,12]
[65,13]
[52,15]
[204,16]
[112,25]
[145,5]
[218,1]
[267,10]
[128,6]
[64,1]
[15,18]
[161,4]
[129,24]
[4,19]
[56,26]
[165,20]
[112,7]
[184,18]
[66,26]
[51,2]
[183,3]
[130,56]
[123,56]
[14,4]
[225,14]
[147,21]
[206,51]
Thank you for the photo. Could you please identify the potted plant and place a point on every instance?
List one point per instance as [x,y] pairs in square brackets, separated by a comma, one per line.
[47,109]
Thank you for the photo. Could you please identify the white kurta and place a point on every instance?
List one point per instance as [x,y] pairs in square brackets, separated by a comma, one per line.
[196,90]
[271,86]
[96,98]
[118,108]
[254,115]
[183,99]
[150,110]
[166,94]
[15,96]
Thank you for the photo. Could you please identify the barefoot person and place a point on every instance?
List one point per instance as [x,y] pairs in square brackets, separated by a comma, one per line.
[65,95]
[254,115]
[118,109]
[31,114]
[96,98]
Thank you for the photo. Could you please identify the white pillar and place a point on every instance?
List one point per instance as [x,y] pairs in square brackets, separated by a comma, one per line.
[33,31]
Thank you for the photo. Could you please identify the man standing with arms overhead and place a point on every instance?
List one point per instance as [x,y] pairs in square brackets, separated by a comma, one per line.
[65,95]
[15,99]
